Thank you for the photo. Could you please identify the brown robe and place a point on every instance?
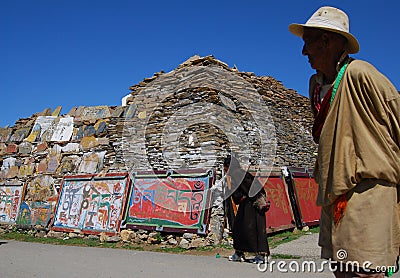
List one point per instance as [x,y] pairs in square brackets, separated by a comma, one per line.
[359,155]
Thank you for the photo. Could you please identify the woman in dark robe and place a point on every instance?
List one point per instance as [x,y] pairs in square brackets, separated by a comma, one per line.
[249,229]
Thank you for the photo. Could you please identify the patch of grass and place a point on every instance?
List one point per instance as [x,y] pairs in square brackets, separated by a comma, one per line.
[159,237]
[176,249]
[287,236]
[216,246]
[273,240]
[285,257]
[226,246]
[50,240]
[27,237]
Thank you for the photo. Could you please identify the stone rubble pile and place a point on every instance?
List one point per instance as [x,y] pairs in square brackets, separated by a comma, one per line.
[137,237]
[290,115]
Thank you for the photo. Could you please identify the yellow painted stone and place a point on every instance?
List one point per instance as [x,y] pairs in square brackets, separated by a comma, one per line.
[57,111]
[26,170]
[142,115]
[32,137]
[96,126]
[88,142]
[12,172]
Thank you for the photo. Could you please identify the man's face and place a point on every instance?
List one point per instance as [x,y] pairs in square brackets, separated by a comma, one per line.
[314,48]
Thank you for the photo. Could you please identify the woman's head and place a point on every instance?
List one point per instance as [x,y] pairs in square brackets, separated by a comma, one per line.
[231,162]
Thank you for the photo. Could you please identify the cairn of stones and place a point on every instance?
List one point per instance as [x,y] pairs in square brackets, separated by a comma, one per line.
[40,150]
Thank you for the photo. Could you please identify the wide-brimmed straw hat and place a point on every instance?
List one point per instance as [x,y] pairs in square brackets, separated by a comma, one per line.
[331,19]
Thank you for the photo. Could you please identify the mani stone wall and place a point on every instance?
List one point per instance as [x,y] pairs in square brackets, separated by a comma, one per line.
[153,130]
[179,121]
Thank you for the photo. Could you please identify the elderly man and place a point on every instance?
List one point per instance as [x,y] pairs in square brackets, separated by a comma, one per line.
[357,127]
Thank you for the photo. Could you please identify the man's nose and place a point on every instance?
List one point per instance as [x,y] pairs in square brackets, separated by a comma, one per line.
[304,50]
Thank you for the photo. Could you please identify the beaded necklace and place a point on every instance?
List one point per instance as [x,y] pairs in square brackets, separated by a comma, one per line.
[338,79]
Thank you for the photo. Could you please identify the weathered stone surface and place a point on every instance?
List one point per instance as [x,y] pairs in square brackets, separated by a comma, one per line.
[3,148]
[47,134]
[89,163]
[42,188]
[11,148]
[89,131]
[63,130]
[45,112]
[12,172]
[53,163]
[26,170]
[78,133]
[88,143]
[100,127]
[41,147]
[188,236]
[184,243]
[71,148]
[73,235]
[103,237]
[41,125]
[153,238]
[20,134]
[8,162]
[113,239]
[78,112]
[117,112]
[94,113]
[42,166]
[103,141]
[25,148]
[56,111]
[127,235]
[198,242]
[55,234]
[40,234]
[130,111]
[290,116]
[69,164]
[5,134]
[172,241]
[72,111]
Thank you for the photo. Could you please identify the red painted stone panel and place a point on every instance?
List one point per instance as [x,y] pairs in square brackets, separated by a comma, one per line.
[306,191]
[280,215]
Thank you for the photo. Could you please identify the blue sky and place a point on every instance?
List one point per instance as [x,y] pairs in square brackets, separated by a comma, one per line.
[89,52]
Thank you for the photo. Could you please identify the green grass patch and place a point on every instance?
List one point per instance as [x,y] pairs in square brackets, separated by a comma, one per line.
[287,236]
[284,257]
[176,249]
[273,240]
[19,236]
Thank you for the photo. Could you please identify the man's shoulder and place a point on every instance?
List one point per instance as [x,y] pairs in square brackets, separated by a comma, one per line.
[360,66]
[362,72]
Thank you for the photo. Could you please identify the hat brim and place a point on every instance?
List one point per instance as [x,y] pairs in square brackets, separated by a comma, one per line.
[352,43]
